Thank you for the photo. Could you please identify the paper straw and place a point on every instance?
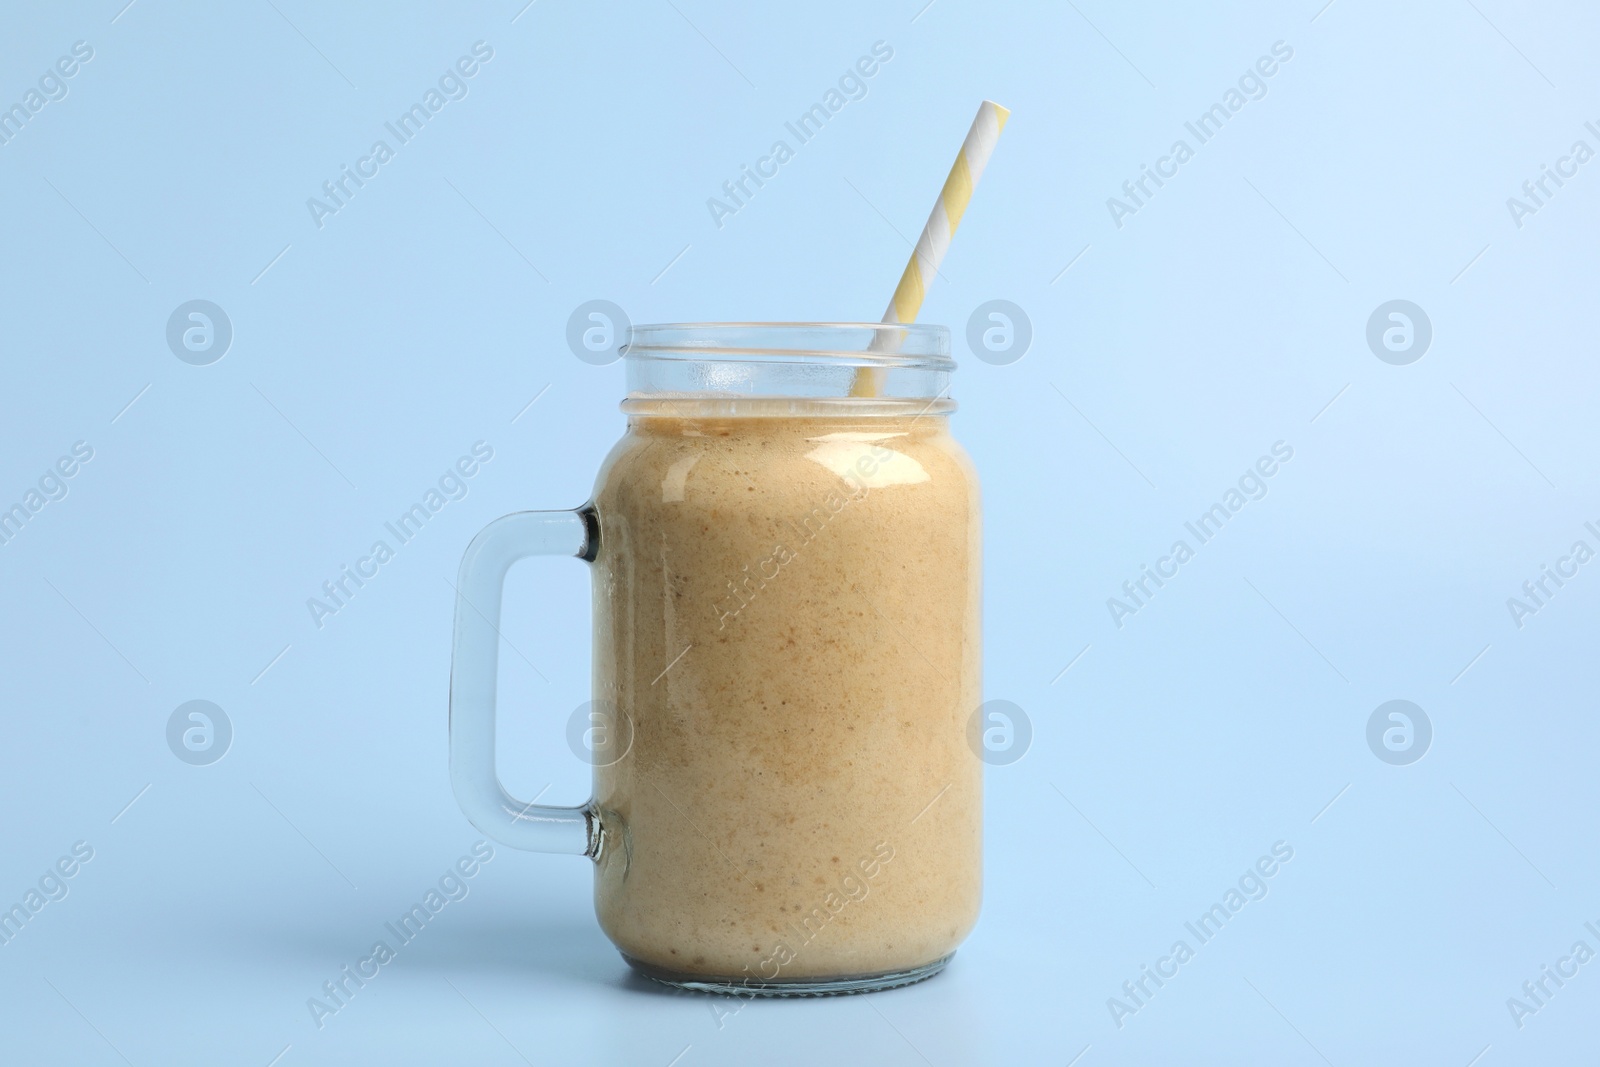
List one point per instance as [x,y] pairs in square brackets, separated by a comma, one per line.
[940,228]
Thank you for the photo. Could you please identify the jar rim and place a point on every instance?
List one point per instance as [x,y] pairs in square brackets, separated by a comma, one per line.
[858,344]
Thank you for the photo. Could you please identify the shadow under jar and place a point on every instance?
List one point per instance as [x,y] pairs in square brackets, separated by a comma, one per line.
[786,661]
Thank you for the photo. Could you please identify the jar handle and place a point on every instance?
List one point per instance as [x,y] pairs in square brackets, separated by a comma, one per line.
[474,665]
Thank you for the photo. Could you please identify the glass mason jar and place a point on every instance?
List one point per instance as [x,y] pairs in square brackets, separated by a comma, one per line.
[786,662]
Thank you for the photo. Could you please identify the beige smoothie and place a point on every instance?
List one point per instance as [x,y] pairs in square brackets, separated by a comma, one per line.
[786,609]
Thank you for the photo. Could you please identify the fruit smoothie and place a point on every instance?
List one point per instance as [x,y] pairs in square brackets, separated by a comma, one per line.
[786,611]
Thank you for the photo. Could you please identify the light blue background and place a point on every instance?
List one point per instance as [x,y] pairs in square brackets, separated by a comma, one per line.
[425,315]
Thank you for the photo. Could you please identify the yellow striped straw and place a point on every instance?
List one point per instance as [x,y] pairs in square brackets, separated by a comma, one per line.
[940,228]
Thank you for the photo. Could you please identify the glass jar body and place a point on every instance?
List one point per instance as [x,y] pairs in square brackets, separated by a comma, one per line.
[786,616]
